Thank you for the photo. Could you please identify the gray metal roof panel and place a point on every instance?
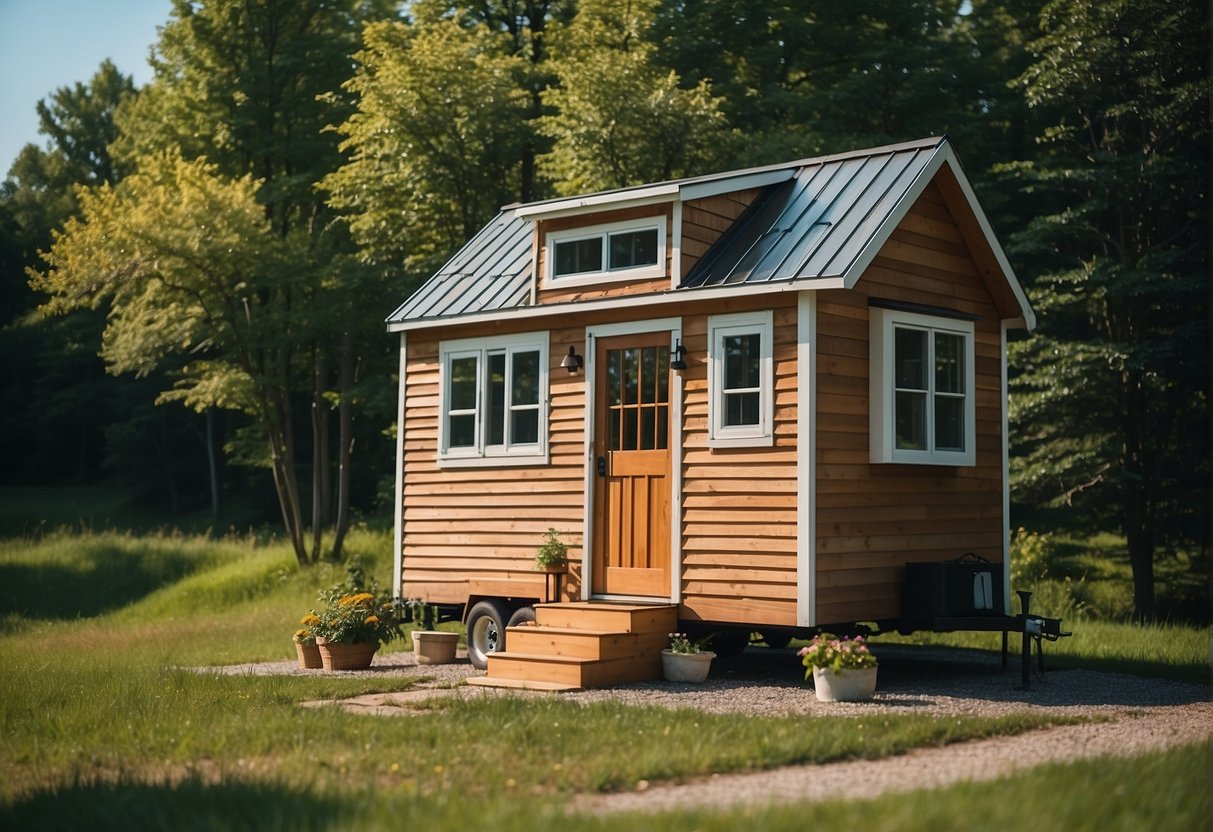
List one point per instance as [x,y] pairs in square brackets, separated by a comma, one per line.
[492,271]
[817,225]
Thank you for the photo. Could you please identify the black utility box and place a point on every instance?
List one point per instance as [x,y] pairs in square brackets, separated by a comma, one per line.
[953,588]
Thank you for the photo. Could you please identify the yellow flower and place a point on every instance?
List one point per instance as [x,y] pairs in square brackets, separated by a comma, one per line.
[372,619]
[310,620]
[300,633]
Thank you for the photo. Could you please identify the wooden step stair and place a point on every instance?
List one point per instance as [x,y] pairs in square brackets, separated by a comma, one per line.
[584,644]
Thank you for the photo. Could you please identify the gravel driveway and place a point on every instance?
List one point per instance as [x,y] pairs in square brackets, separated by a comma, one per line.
[1142,715]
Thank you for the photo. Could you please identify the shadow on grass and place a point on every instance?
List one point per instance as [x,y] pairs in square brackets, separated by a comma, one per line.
[187,805]
[102,578]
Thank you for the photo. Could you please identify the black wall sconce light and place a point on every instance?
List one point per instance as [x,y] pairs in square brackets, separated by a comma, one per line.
[571,362]
[678,356]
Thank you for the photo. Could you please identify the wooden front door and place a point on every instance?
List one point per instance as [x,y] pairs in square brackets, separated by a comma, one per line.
[632,466]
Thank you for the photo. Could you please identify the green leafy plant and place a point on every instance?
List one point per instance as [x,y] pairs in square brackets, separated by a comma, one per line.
[828,651]
[553,552]
[354,613]
[683,643]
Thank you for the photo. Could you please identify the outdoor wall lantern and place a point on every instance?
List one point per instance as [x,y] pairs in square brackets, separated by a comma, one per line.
[678,357]
[572,361]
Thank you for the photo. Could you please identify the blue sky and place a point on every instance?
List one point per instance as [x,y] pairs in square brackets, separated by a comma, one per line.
[47,44]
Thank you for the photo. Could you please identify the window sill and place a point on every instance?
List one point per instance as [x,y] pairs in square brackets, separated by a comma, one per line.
[510,461]
[741,441]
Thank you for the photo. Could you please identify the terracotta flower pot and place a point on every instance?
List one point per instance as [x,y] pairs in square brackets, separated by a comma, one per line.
[848,686]
[346,656]
[308,655]
[685,667]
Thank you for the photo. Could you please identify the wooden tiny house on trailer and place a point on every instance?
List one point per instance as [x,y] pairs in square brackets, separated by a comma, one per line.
[749,399]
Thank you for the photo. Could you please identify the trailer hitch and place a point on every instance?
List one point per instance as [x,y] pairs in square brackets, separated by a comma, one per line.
[1033,627]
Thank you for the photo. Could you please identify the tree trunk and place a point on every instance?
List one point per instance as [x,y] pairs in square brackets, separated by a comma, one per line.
[345,423]
[212,465]
[1138,528]
[319,450]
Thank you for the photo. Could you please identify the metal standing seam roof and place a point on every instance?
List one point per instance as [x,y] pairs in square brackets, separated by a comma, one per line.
[819,223]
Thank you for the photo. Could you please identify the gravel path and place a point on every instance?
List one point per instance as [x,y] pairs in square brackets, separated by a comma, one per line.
[1142,715]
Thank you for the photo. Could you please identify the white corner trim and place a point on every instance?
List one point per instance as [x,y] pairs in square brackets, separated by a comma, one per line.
[1006,476]
[676,246]
[398,516]
[806,460]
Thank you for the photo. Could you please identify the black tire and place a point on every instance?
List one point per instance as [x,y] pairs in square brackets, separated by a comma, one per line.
[486,630]
[521,616]
[729,642]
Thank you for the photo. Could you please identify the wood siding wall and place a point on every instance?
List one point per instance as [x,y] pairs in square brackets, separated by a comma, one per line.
[486,523]
[704,220]
[739,504]
[872,519]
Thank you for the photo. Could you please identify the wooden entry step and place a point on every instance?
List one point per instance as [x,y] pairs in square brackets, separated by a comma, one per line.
[584,644]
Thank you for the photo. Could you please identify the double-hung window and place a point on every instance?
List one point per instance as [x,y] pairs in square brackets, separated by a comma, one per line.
[922,406]
[740,378]
[494,400]
[623,250]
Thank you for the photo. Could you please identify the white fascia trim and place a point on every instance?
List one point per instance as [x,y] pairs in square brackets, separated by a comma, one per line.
[1006,478]
[398,521]
[699,190]
[1029,317]
[680,296]
[615,200]
[806,460]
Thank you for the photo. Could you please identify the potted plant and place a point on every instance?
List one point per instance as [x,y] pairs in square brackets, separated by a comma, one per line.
[552,556]
[306,650]
[352,627]
[843,669]
[430,646]
[686,660]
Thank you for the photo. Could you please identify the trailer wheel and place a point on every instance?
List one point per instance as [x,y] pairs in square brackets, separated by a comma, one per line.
[521,616]
[776,639]
[486,630]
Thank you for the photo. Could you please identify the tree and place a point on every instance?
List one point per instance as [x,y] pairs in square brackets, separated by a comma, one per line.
[1110,403]
[436,143]
[250,86]
[618,117]
[189,266]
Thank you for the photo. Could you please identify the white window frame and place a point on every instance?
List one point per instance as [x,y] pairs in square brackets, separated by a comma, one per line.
[481,453]
[604,232]
[883,324]
[743,323]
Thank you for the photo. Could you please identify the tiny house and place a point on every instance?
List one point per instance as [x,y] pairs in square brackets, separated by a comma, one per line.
[747,399]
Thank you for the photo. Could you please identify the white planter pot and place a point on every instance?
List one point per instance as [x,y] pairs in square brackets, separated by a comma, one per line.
[685,667]
[434,647]
[849,686]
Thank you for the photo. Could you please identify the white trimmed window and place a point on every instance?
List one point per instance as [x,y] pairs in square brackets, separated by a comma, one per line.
[922,408]
[493,400]
[618,251]
[740,379]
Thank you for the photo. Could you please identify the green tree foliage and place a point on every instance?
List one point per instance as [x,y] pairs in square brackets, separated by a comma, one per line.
[188,265]
[618,117]
[436,142]
[250,87]
[1110,403]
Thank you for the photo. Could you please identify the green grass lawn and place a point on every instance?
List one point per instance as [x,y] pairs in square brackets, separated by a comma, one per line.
[104,723]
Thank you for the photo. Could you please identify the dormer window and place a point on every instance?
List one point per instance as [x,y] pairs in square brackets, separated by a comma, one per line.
[619,251]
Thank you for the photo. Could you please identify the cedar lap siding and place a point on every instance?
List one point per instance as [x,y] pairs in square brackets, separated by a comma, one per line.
[892,224]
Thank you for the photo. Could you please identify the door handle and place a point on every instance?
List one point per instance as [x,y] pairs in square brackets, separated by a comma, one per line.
[602,466]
